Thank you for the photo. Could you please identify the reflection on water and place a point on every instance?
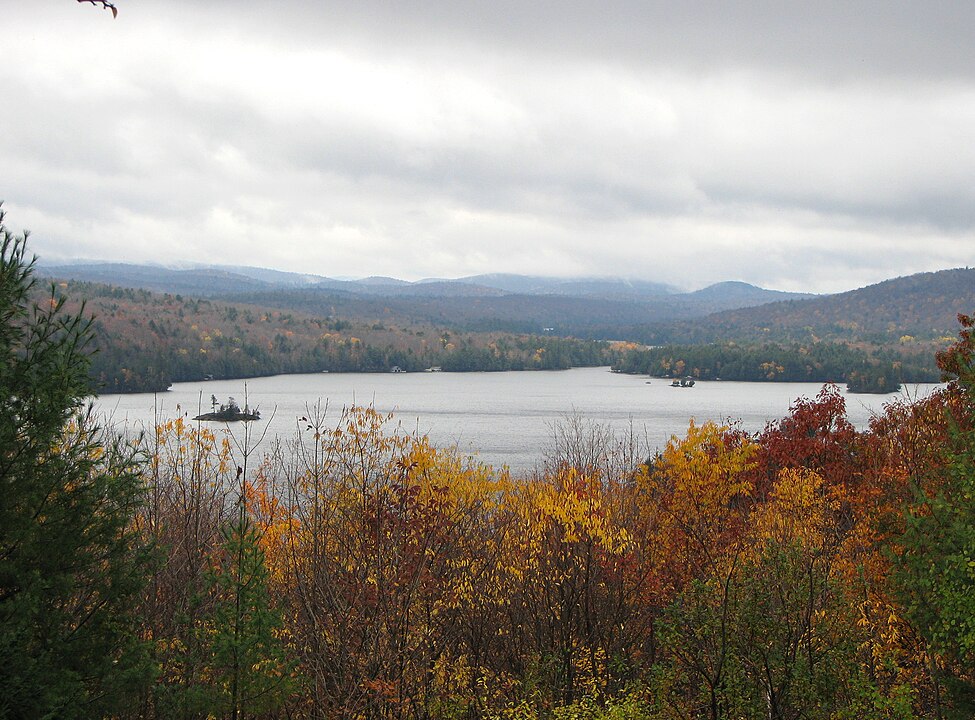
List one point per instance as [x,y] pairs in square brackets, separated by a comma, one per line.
[502,418]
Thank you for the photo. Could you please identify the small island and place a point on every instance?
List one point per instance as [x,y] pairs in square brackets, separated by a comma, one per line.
[230,412]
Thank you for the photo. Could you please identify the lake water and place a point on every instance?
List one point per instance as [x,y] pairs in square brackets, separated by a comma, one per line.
[502,418]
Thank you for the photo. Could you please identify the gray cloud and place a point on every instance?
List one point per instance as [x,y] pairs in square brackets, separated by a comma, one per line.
[814,148]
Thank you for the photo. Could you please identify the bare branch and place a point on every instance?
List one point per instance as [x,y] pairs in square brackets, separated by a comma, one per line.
[105,5]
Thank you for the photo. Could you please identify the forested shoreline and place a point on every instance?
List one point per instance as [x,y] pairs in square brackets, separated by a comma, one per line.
[880,371]
[146,341]
[805,571]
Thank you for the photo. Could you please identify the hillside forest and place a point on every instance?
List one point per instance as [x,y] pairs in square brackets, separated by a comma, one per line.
[146,340]
[809,570]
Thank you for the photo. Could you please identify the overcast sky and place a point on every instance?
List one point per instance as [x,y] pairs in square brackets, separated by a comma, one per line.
[800,146]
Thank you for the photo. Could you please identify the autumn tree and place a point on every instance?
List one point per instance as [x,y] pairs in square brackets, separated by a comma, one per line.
[563,559]
[796,638]
[190,474]
[816,435]
[377,547]
[696,498]
[696,494]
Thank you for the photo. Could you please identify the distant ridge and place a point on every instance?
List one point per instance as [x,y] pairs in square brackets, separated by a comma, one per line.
[576,287]
[196,281]
[916,308]
[584,307]
[379,280]
[749,295]
[230,279]
[924,305]
[273,277]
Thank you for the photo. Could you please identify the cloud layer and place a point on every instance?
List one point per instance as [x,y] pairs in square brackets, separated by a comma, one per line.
[806,149]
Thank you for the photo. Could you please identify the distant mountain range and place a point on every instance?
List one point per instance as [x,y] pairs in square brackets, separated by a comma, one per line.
[222,281]
[582,307]
[923,305]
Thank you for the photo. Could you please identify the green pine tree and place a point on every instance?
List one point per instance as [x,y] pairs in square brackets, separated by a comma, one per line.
[71,561]
[247,670]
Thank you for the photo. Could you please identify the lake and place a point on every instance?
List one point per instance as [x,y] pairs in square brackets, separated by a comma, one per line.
[501,418]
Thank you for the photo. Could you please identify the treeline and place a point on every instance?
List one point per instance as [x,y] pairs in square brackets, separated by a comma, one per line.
[877,372]
[146,341]
[529,353]
[491,312]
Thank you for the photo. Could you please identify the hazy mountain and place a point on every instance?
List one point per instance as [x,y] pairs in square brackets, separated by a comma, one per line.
[733,293]
[274,277]
[380,281]
[925,305]
[443,288]
[609,288]
[591,307]
[476,308]
[196,281]
[401,288]
[220,280]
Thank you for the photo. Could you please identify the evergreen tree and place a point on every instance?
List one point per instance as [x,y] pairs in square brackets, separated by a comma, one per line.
[246,667]
[71,561]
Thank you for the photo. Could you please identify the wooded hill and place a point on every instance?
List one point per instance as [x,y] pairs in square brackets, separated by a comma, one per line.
[924,307]
[873,338]
[585,307]
[146,341]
